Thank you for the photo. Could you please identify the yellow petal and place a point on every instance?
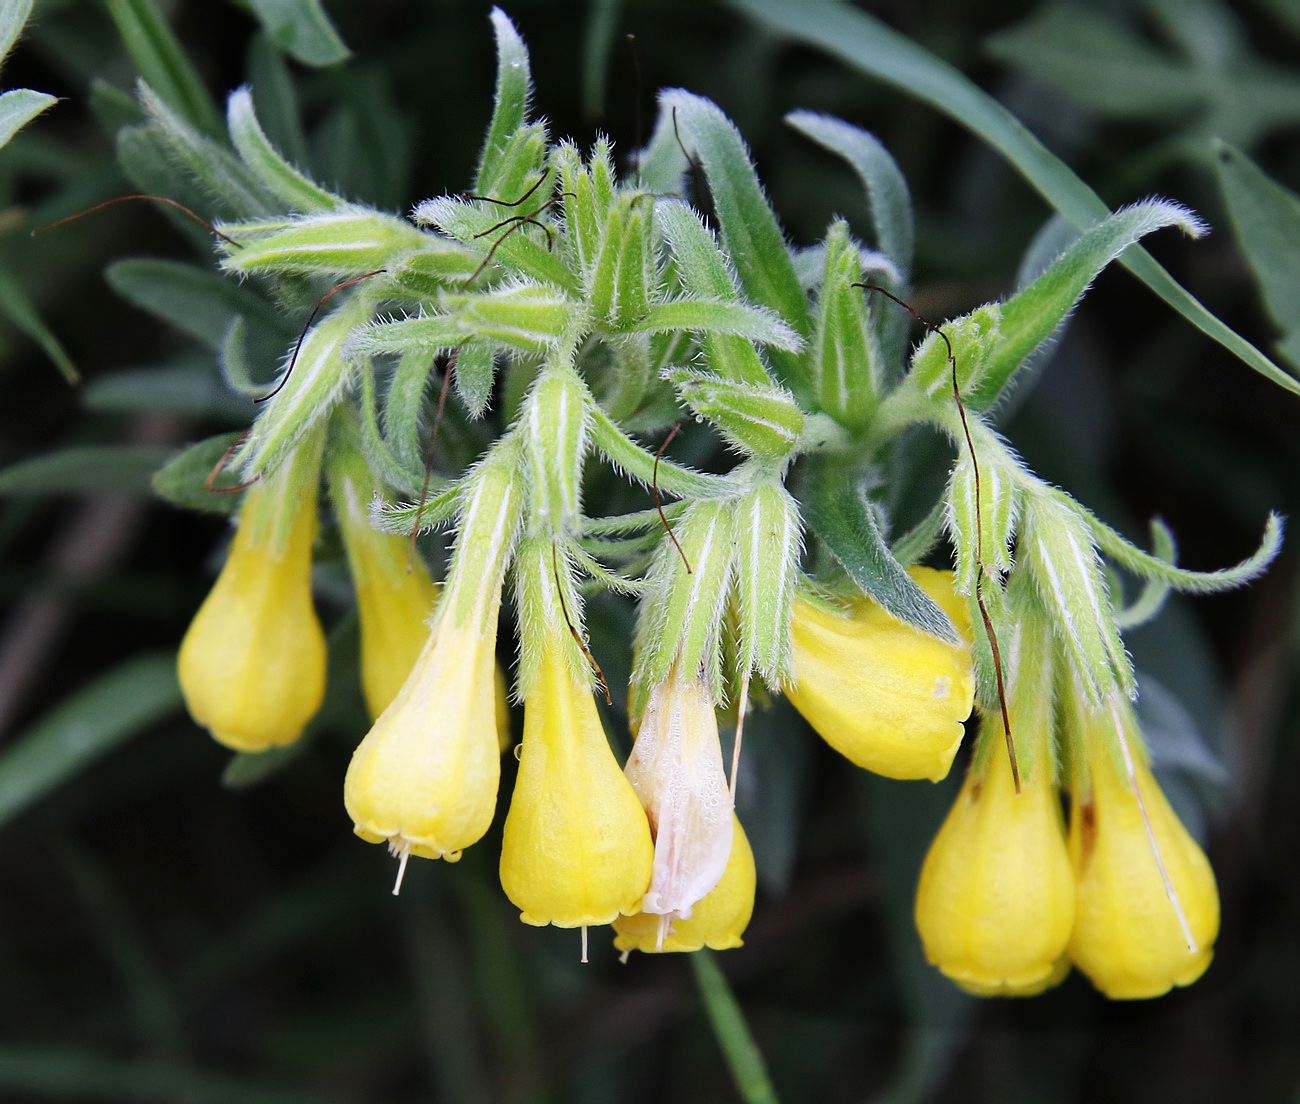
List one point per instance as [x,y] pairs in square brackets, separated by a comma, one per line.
[995,902]
[425,777]
[577,848]
[252,664]
[887,696]
[717,921]
[1133,936]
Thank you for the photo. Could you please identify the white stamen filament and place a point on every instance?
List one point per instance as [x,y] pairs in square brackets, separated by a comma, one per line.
[400,851]
[741,707]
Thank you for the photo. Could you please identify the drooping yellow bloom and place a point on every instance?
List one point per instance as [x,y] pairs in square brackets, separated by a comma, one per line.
[718,920]
[577,849]
[995,903]
[425,777]
[1148,908]
[393,603]
[889,697]
[676,770]
[252,664]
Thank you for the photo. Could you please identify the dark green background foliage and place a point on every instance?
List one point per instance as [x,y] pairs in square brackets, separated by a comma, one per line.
[165,937]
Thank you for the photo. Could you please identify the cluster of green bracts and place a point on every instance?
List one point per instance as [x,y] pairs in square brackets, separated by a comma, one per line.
[615,310]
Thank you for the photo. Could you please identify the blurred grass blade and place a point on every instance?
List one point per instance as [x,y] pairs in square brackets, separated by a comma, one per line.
[729,1028]
[66,1073]
[163,64]
[18,108]
[1266,220]
[301,29]
[18,308]
[871,47]
[93,721]
[86,469]
[13,17]
[598,43]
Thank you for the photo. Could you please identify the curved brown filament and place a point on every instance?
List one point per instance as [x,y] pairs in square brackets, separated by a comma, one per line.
[980,571]
[210,478]
[127,199]
[577,636]
[307,328]
[654,487]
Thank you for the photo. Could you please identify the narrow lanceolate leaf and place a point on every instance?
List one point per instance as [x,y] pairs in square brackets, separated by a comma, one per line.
[162,62]
[707,274]
[684,608]
[13,17]
[640,464]
[19,107]
[761,421]
[707,316]
[432,333]
[314,383]
[473,375]
[1056,548]
[1266,220]
[1030,317]
[346,243]
[1155,567]
[982,536]
[85,469]
[440,264]
[868,45]
[845,359]
[89,724]
[514,245]
[197,301]
[17,306]
[266,162]
[886,189]
[767,535]
[514,87]
[839,513]
[182,480]
[527,316]
[302,29]
[233,188]
[749,228]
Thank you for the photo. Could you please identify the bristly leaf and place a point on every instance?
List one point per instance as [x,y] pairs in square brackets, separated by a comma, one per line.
[347,242]
[705,316]
[181,481]
[514,88]
[762,421]
[18,107]
[845,358]
[267,163]
[753,237]
[840,515]
[886,189]
[473,375]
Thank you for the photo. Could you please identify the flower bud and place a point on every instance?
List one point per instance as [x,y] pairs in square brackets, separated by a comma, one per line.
[718,920]
[676,770]
[889,697]
[252,665]
[576,849]
[995,902]
[1148,909]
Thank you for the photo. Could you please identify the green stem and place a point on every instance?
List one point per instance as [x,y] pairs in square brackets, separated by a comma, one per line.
[731,1031]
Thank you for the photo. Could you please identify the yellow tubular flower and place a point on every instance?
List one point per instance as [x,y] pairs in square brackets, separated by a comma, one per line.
[718,920]
[393,604]
[995,903]
[1148,908]
[887,696]
[577,848]
[252,664]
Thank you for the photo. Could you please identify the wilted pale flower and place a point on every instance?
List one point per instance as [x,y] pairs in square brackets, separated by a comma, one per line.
[577,849]
[995,903]
[676,770]
[889,697]
[252,665]
[717,921]
[1148,908]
